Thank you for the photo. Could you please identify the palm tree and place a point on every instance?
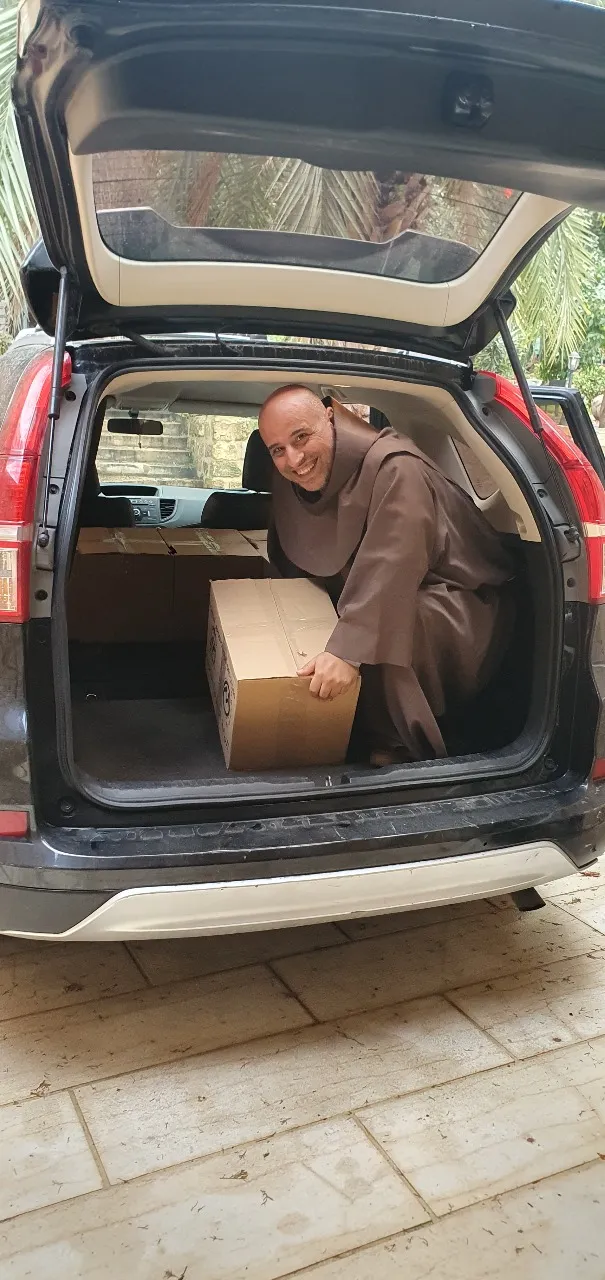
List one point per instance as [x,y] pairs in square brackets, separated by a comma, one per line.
[18,223]
[552,309]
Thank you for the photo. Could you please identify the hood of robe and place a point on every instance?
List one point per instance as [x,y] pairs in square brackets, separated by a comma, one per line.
[321,533]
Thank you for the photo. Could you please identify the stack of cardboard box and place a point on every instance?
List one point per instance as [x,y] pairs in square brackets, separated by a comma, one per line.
[130,585]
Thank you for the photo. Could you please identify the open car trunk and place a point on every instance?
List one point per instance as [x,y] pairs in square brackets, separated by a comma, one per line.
[140,725]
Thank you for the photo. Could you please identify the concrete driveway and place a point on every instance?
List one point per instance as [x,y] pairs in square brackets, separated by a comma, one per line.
[396,1099]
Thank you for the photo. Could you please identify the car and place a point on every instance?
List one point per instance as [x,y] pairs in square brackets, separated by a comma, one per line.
[231,197]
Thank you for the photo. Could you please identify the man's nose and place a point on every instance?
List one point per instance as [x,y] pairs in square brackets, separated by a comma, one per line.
[294,457]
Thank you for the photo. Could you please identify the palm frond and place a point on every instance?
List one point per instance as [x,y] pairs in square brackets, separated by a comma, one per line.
[551,292]
[18,223]
[329,202]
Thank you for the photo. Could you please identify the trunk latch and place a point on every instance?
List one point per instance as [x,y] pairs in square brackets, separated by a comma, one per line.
[568,541]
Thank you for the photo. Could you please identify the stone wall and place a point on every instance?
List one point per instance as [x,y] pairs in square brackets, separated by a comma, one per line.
[217,445]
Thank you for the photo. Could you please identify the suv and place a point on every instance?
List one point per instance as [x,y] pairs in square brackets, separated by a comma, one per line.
[233,196]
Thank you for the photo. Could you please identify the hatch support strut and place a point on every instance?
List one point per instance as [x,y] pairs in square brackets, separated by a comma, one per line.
[517,368]
[54,406]
[570,540]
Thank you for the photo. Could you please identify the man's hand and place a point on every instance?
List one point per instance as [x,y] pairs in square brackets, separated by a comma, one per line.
[331,676]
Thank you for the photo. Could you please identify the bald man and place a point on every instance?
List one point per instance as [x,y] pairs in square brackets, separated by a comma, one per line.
[417,575]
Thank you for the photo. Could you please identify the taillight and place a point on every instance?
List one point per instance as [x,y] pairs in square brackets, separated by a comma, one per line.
[586,488]
[13,823]
[22,436]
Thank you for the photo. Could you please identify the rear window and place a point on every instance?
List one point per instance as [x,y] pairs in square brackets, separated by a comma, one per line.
[200,206]
[195,451]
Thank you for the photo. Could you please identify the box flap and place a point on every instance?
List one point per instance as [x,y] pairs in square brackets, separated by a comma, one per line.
[97,542]
[121,542]
[273,626]
[208,542]
[141,542]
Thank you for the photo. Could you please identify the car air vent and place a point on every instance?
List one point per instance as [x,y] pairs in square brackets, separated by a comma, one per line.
[167,506]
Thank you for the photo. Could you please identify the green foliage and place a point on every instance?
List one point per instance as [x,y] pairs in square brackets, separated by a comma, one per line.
[18,225]
[590,381]
[552,294]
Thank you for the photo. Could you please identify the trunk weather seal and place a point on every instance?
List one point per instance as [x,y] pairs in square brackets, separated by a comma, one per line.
[54,407]
[519,761]
[533,414]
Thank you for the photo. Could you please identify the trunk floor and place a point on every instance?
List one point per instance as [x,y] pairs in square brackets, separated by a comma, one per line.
[169,743]
[147,740]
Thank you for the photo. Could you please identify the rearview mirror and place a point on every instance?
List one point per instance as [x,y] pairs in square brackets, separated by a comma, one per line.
[136,426]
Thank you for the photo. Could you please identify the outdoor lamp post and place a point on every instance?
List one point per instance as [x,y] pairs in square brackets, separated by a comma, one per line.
[573,364]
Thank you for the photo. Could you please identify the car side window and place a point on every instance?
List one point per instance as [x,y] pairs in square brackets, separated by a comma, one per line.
[556,411]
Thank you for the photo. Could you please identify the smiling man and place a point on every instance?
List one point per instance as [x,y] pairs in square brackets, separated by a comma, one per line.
[416,573]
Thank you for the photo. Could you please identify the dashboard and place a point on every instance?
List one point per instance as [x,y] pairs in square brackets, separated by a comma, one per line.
[165,504]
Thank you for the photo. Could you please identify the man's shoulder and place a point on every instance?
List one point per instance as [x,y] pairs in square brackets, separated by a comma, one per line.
[396,456]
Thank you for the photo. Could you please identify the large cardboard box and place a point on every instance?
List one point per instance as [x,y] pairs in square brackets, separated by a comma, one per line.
[201,555]
[260,633]
[121,587]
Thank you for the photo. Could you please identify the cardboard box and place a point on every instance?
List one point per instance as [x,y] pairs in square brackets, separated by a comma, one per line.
[201,555]
[121,587]
[152,585]
[259,635]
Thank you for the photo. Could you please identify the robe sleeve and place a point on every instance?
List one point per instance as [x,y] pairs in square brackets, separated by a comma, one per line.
[378,604]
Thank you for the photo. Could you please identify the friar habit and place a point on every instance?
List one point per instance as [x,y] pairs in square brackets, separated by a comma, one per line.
[415,571]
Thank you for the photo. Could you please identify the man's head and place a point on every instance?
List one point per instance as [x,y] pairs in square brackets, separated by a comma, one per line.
[298,432]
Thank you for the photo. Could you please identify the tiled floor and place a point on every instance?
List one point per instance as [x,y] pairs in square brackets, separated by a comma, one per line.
[394,1099]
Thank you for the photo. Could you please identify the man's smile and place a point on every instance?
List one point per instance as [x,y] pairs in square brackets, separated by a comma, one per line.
[304,471]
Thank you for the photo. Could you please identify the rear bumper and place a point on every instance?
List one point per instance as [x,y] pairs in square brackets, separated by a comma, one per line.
[170,911]
[136,881]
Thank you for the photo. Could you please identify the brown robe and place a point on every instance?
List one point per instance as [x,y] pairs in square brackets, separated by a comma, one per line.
[416,573]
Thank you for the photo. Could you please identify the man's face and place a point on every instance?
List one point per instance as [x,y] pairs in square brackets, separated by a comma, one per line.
[297,430]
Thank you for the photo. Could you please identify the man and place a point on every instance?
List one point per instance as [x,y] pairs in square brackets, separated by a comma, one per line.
[415,571]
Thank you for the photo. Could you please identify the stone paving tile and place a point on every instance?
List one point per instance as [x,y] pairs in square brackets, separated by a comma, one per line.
[438,958]
[12,946]
[478,1137]
[587,905]
[57,1049]
[379,926]
[257,1213]
[175,959]
[155,1118]
[543,1008]
[34,979]
[205,1060]
[44,1155]
[591,878]
[553,1231]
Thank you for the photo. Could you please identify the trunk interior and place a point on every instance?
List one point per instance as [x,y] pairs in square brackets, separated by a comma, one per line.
[143,724]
